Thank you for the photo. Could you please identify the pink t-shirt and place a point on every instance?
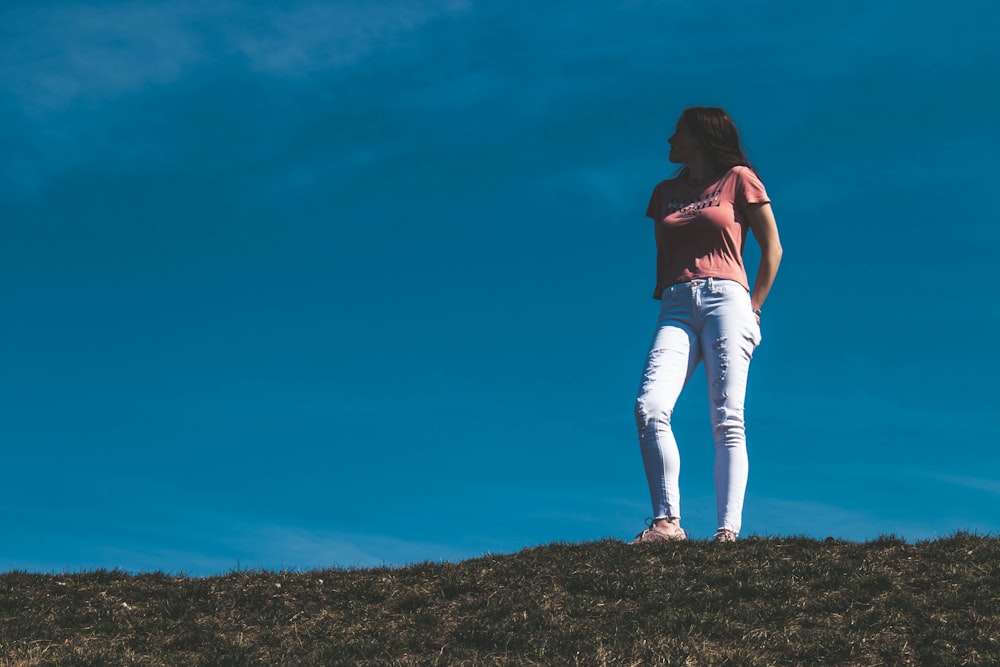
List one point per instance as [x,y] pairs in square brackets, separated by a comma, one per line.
[700,232]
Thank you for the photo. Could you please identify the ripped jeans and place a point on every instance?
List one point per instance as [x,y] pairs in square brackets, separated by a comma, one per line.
[708,320]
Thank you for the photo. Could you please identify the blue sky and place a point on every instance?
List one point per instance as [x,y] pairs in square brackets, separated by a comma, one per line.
[355,283]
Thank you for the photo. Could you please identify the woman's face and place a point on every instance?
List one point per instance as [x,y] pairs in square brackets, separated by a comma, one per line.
[683,145]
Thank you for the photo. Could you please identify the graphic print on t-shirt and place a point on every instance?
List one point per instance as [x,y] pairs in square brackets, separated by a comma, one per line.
[689,209]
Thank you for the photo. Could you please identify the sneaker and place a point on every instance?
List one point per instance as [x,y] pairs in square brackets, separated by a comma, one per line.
[725,535]
[653,535]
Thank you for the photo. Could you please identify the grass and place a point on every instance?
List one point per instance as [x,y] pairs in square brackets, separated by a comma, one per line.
[782,601]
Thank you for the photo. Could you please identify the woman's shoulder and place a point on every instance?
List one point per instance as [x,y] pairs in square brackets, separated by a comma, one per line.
[743,172]
[746,185]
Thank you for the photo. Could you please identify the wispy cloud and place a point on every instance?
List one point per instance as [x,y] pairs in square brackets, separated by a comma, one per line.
[189,539]
[285,547]
[148,86]
[818,520]
[990,486]
[53,56]
[319,35]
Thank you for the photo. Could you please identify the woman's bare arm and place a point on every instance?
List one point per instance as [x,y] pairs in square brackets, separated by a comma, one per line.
[765,230]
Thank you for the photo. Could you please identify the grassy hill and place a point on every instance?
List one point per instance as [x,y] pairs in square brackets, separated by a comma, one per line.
[787,601]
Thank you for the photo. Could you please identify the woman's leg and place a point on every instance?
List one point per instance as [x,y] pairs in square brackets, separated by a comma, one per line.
[728,337]
[671,360]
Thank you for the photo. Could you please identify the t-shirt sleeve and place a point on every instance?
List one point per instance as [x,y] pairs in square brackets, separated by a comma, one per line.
[750,189]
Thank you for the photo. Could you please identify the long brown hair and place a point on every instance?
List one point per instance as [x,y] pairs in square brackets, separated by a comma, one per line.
[717,134]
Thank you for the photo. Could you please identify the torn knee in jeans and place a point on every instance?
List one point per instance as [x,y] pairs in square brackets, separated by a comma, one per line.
[644,414]
[721,416]
[727,422]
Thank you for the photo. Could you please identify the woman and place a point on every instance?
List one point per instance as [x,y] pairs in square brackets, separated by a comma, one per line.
[708,311]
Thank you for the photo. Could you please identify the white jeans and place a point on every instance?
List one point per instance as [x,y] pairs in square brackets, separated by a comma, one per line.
[711,320]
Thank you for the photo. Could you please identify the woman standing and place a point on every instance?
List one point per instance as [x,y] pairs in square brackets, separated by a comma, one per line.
[708,312]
